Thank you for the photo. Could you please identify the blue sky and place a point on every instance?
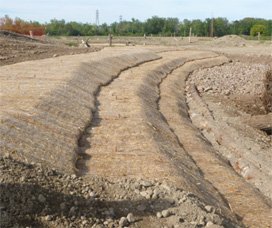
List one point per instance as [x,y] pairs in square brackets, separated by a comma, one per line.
[84,10]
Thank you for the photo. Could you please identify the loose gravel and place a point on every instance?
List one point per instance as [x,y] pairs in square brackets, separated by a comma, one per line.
[225,98]
[236,81]
[35,196]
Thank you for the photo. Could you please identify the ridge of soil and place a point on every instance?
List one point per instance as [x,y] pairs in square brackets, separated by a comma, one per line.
[49,108]
[215,168]
[149,149]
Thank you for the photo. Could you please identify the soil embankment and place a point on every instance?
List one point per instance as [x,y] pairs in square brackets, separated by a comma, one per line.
[44,112]
[15,48]
[215,168]
[120,120]
[224,108]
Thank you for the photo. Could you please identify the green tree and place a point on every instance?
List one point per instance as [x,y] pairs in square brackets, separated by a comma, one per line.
[268,31]
[234,27]
[255,29]
[104,29]
[137,27]
[87,29]
[198,28]
[154,25]
[207,26]
[221,26]
[170,26]
[114,28]
[245,25]
[73,29]
[185,27]
[56,27]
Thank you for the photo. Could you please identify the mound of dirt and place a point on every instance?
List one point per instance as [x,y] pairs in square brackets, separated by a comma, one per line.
[17,36]
[230,40]
[66,111]
[16,48]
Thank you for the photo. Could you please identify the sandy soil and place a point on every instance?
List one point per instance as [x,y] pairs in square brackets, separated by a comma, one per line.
[119,119]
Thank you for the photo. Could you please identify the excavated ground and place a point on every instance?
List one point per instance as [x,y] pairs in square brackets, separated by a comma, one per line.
[47,110]
[119,119]
[214,166]
[246,146]
[15,48]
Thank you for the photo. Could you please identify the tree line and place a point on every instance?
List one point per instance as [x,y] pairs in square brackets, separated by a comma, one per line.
[20,26]
[157,26]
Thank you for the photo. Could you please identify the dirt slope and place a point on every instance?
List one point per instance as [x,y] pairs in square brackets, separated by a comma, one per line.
[42,120]
[128,127]
[15,48]
[247,148]
[45,111]
[214,167]
[120,117]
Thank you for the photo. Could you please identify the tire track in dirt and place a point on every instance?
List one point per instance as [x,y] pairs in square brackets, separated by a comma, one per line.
[128,136]
[244,200]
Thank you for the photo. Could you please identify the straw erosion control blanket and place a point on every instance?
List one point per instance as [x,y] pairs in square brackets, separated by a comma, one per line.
[46,104]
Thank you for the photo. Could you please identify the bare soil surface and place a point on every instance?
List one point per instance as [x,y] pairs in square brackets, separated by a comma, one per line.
[17,48]
[166,134]
[127,126]
[228,95]
[35,196]
[213,165]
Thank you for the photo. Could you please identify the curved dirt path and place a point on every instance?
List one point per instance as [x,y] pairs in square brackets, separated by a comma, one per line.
[121,131]
[128,136]
[243,199]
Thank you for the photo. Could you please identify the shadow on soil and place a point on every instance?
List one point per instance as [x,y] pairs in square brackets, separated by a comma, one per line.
[84,144]
[25,204]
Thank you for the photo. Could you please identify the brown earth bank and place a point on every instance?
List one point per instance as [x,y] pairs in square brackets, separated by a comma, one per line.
[105,139]
[15,48]
[220,105]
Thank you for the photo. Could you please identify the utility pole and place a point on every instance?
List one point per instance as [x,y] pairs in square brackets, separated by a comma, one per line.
[212,27]
[97,18]
[110,39]
[190,34]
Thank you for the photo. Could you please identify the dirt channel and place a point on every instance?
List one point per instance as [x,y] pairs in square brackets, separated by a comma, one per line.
[132,137]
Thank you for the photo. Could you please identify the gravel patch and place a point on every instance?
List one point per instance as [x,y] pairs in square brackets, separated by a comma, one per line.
[225,98]
[45,197]
[241,84]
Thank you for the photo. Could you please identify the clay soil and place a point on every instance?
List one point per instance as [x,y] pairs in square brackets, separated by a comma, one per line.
[159,133]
